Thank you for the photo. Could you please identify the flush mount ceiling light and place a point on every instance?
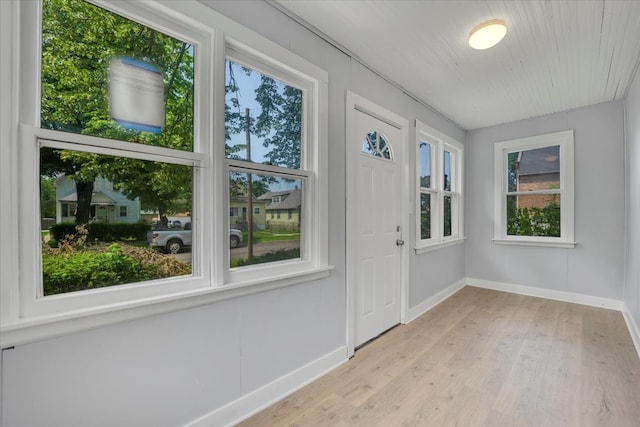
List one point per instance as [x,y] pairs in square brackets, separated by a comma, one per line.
[487,34]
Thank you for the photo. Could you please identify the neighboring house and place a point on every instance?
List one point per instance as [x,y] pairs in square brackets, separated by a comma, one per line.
[283,209]
[238,213]
[537,169]
[107,204]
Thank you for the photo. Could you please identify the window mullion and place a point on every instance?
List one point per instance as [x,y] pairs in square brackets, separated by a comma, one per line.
[533,192]
[245,166]
[191,160]
[98,143]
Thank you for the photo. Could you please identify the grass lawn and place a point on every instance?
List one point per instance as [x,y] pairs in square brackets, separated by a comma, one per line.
[268,236]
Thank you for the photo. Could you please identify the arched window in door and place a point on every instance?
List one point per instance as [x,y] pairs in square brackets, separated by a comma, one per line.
[375,144]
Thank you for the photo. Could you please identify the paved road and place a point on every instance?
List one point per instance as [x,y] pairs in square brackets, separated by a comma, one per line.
[242,251]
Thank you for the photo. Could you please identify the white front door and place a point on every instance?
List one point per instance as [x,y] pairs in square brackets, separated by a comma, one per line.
[377,208]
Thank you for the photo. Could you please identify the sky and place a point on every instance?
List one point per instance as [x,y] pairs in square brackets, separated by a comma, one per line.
[246,97]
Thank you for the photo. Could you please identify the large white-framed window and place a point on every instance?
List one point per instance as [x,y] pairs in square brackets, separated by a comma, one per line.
[534,190]
[439,183]
[270,154]
[126,110]
[155,140]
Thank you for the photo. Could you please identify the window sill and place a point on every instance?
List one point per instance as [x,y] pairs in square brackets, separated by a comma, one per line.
[35,329]
[542,243]
[435,246]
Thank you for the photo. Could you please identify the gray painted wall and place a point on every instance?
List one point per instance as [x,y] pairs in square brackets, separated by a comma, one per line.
[632,261]
[595,266]
[171,369]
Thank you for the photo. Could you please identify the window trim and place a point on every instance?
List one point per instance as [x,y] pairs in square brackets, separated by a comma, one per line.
[32,137]
[314,211]
[189,17]
[440,143]
[565,140]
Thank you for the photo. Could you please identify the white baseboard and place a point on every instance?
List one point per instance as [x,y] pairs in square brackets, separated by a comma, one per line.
[429,303]
[252,403]
[593,301]
[259,399]
[634,330]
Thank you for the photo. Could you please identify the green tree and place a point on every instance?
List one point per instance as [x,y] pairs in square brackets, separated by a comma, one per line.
[78,41]
[47,197]
[278,123]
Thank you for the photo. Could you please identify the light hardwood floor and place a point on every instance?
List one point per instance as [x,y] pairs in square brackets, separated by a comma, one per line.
[481,358]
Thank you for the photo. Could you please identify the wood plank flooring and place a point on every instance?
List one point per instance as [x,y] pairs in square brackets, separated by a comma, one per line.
[481,358]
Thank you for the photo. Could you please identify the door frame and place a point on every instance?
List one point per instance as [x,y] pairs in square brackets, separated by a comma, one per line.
[355,103]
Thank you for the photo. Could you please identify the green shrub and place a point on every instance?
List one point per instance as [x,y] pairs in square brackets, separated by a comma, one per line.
[534,221]
[108,232]
[88,269]
[81,267]
[103,231]
[62,229]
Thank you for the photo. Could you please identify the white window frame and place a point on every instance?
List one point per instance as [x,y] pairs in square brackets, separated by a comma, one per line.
[440,143]
[25,315]
[565,140]
[314,213]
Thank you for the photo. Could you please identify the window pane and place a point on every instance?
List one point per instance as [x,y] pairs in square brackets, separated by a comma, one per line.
[447,215]
[447,171]
[107,76]
[97,214]
[263,118]
[425,165]
[376,145]
[277,206]
[425,216]
[532,170]
[533,215]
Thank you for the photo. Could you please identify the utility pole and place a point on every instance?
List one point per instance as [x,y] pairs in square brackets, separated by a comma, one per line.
[247,134]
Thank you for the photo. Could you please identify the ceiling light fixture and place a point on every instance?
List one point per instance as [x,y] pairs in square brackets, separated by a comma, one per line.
[487,34]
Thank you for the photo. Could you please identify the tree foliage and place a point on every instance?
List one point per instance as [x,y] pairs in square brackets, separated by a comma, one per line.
[533,221]
[277,122]
[47,197]
[78,41]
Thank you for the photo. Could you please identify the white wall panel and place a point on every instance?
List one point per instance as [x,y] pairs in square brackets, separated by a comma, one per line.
[434,271]
[595,266]
[279,332]
[632,261]
[161,371]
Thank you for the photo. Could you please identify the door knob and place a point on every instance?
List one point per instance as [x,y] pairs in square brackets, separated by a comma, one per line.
[399,242]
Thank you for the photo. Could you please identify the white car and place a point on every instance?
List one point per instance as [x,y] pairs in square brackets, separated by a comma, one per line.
[172,241]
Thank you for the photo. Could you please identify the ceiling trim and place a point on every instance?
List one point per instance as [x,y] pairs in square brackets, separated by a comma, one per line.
[359,60]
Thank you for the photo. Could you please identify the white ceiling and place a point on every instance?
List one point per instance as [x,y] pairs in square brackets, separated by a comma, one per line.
[557,55]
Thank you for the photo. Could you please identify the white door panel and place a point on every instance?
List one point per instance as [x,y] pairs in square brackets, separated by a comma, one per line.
[377,211]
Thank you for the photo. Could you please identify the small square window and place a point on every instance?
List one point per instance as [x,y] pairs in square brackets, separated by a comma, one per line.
[534,190]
